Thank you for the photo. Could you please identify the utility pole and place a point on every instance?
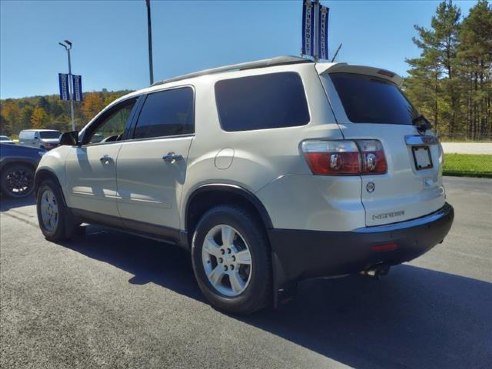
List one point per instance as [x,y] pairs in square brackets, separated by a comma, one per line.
[149,31]
[68,46]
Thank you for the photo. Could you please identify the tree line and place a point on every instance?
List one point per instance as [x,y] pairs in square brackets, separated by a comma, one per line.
[51,112]
[451,81]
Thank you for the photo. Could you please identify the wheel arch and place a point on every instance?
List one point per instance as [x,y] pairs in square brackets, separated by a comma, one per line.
[210,195]
[45,174]
[7,162]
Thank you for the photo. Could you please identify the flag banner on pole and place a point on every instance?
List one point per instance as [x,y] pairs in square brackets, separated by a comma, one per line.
[63,83]
[77,88]
[308,28]
[323,32]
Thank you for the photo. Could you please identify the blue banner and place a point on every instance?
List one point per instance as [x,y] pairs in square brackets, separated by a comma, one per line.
[308,28]
[323,32]
[63,83]
[77,87]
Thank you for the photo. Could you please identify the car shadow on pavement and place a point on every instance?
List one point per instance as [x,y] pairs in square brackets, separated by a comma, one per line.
[149,261]
[415,317]
[7,203]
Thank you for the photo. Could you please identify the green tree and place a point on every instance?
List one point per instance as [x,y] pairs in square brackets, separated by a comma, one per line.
[432,80]
[475,55]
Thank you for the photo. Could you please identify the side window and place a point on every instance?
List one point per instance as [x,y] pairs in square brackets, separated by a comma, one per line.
[167,113]
[111,126]
[274,100]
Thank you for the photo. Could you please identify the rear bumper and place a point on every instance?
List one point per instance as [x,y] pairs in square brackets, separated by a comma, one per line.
[302,254]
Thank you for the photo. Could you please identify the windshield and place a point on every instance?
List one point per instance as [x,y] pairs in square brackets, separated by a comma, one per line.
[368,99]
[50,134]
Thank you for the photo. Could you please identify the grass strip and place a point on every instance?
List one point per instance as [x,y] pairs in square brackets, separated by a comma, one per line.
[467,165]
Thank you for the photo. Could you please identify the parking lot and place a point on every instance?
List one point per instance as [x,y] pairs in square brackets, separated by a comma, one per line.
[109,300]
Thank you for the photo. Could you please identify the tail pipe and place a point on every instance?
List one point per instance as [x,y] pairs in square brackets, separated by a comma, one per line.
[376,271]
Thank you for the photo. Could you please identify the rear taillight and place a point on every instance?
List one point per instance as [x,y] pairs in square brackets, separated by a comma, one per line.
[373,159]
[345,157]
[332,157]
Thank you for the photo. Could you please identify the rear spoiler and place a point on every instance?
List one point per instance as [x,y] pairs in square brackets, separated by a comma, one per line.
[323,68]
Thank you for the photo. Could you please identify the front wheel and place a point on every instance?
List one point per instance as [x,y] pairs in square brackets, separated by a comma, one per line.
[53,216]
[231,260]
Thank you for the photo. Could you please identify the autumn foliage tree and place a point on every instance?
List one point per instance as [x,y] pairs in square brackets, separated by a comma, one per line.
[10,113]
[39,118]
[93,103]
[51,112]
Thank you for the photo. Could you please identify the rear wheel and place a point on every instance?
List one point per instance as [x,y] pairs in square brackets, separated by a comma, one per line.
[17,180]
[231,260]
[53,216]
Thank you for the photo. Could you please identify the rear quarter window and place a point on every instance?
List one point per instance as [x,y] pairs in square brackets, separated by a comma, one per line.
[274,100]
[368,99]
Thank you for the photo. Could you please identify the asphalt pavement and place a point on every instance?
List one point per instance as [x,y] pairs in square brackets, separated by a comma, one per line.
[109,300]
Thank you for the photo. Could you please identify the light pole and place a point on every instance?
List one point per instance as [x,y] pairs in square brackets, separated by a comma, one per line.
[149,32]
[68,45]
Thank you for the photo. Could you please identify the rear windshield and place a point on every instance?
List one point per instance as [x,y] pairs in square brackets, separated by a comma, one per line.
[368,99]
[49,134]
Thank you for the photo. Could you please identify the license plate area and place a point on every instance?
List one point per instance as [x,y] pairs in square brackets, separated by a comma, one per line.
[422,157]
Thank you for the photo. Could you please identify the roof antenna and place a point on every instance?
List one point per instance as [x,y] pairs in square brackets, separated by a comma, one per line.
[336,53]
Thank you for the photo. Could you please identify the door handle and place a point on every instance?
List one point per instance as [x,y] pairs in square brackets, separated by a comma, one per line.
[172,157]
[106,160]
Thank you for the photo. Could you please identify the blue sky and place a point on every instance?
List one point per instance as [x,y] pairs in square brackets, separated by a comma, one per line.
[110,38]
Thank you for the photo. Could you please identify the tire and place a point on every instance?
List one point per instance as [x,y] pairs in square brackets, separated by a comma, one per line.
[231,260]
[17,180]
[53,216]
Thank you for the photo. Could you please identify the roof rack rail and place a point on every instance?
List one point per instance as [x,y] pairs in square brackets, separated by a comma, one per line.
[279,60]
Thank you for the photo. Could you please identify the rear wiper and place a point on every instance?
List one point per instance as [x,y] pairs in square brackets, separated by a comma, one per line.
[421,123]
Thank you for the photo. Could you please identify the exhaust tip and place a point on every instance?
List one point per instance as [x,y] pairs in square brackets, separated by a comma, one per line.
[377,271]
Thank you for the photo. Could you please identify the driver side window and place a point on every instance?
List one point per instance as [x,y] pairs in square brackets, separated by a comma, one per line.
[111,126]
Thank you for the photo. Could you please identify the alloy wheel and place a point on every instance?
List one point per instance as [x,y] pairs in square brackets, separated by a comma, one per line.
[49,210]
[226,260]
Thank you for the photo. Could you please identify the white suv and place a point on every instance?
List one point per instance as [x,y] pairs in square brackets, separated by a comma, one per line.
[270,172]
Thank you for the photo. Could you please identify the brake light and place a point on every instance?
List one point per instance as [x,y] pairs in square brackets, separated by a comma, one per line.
[344,157]
[332,157]
[373,159]
[386,73]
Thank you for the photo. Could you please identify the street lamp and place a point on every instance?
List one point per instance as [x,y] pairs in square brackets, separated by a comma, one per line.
[68,46]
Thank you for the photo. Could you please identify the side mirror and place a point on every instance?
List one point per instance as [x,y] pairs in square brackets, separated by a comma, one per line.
[70,138]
